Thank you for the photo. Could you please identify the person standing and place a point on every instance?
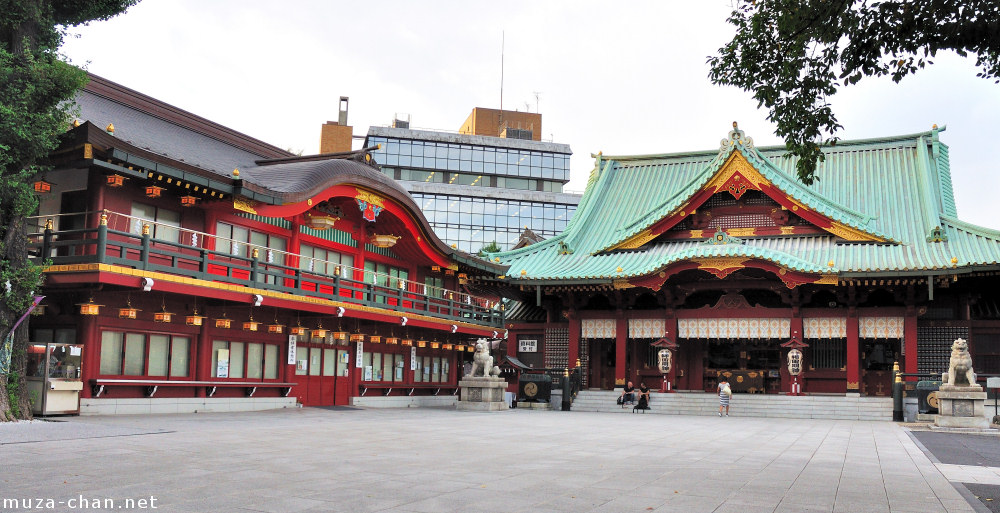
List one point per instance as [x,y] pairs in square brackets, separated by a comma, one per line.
[725,393]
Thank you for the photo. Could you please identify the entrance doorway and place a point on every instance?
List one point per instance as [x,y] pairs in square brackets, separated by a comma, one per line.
[321,372]
[601,373]
[750,365]
[877,357]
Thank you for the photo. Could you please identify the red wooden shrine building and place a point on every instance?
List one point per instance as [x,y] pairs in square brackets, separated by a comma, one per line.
[196,268]
[729,257]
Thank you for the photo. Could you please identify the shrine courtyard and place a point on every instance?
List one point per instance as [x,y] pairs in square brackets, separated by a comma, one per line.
[441,460]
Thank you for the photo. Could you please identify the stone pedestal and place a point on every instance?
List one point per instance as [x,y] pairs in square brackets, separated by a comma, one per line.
[961,406]
[482,394]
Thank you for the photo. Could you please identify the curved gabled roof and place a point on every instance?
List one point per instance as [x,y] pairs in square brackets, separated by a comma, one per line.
[292,180]
[896,189]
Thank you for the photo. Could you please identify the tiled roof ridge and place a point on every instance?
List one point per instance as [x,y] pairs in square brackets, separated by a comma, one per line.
[974,229]
[772,173]
[150,106]
[839,145]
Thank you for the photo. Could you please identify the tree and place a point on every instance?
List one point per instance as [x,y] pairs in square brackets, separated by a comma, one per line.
[35,86]
[492,247]
[794,55]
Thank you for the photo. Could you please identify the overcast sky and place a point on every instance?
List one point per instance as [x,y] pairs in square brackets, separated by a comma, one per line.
[618,77]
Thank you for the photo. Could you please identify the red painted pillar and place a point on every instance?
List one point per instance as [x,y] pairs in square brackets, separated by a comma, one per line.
[202,352]
[574,340]
[91,362]
[512,345]
[910,341]
[853,354]
[621,337]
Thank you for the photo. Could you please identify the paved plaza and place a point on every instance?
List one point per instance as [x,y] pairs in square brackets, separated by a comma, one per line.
[442,460]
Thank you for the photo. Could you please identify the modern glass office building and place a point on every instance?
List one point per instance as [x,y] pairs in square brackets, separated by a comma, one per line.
[477,189]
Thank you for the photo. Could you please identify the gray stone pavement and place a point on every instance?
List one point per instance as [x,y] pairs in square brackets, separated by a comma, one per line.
[442,460]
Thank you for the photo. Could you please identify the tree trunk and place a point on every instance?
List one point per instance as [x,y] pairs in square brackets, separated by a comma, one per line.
[14,400]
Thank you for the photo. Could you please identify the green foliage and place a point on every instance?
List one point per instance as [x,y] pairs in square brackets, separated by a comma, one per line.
[794,54]
[35,89]
[492,247]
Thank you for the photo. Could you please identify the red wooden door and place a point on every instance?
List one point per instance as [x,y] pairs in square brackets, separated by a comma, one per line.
[329,376]
[314,393]
[342,390]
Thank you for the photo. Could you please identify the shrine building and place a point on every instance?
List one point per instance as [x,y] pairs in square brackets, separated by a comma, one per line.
[727,260]
[191,267]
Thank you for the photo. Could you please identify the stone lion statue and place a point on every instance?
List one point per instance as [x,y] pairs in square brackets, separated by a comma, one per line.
[483,362]
[960,365]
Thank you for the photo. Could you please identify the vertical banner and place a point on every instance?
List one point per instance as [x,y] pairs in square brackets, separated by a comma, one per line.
[222,364]
[292,342]
[359,358]
[413,358]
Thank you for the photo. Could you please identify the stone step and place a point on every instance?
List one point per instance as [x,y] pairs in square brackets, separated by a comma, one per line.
[746,405]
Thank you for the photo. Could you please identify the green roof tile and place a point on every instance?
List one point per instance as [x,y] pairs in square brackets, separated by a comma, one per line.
[897,188]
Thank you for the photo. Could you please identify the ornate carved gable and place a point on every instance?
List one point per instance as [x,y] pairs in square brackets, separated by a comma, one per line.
[741,201]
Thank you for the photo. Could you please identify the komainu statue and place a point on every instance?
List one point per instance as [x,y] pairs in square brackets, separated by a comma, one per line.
[960,365]
[483,362]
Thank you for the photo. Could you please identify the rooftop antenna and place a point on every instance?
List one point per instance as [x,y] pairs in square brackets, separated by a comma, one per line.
[537,94]
[502,42]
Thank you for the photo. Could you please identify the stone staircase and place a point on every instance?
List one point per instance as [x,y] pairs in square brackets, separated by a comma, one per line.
[838,407]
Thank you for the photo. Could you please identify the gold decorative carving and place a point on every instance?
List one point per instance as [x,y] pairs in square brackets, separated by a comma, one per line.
[636,240]
[621,283]
[619,381]
[88,151]
[827,279]
[741,232]
[244,204]
[369,197]
[787,230]
[736,163]
[697,234]
[852,385]
[720,263]
[853,234]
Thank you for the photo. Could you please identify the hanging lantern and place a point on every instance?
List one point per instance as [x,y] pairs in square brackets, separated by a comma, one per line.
[375,339]
[435,345]
[89,308]
[383,241]
[195,319]
[392,340]
[297,330]
[42,187]
[421,343]
[163,316]
[357,337]
[251,325]
[188,201]
[340,336]
[319,332]
[436,268]
[446,347]
[38,310]
[115,180]
[406,341]
[153,191]
[470,349]
[320,221]
[128,312]
[275,329]
[224,322]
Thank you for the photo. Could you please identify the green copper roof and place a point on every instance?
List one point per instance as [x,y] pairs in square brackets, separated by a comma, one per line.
[895,188]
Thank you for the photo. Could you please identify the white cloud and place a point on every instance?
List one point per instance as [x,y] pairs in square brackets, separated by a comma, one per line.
[618,77]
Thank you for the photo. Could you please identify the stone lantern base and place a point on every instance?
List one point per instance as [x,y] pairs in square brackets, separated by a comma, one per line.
[482,394]
[961,406]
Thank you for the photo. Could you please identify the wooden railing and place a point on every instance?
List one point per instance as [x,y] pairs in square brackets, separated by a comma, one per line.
[126,249]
